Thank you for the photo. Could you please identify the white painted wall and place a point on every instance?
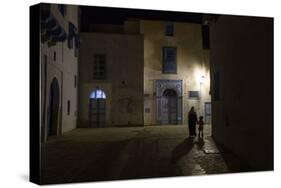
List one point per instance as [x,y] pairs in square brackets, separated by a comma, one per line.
[63,68]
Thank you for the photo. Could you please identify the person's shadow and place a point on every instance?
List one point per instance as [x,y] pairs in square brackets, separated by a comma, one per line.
[182,149]
[200,143]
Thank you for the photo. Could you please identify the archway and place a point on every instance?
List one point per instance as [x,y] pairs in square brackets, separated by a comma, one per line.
[170,106]
[97,108]
[169,101]
[53,108]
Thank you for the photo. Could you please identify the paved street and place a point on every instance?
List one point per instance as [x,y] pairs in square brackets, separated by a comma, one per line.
[135,152]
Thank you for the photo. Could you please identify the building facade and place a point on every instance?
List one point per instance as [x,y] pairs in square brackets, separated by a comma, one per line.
[110,80]
[149,73]
[59,68]
[176,72]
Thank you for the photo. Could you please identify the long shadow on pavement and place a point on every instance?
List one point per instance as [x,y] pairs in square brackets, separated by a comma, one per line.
[182,149]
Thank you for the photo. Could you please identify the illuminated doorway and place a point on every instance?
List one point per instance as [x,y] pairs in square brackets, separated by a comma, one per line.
[97,108]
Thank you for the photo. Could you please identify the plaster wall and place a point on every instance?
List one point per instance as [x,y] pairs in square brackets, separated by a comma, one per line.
[63,67]
[192,63]
[124,63]
[242,53]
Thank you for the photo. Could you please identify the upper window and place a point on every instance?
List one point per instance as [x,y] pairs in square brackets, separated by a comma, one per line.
[169,60]
[206,37]
[169,29]
[99,67]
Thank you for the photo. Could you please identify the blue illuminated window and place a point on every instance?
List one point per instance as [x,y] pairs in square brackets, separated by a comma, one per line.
[98,94]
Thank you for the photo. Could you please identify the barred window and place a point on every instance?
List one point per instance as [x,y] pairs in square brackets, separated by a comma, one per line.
[99,67]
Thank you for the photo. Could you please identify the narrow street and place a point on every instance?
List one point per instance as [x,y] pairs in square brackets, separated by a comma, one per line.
[132,153]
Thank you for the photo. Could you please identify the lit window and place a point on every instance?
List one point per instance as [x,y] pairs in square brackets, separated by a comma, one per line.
[169,60]
[98,94]
[99,67]
[169,29]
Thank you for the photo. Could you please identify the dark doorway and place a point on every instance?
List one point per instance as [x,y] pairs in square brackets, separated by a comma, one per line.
[53,108]
[97,108]
[170,106]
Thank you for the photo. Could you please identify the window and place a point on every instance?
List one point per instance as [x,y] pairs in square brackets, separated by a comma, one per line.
[55,56]
[205,37]
[169,29]
[98,94]
[99,67]
[169,60]
[75,81]
[193,94]
[70,42]
[68,107]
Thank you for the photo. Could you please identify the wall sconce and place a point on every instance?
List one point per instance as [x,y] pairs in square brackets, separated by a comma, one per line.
[202,79]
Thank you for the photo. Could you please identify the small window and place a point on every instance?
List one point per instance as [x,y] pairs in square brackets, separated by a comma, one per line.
[45,59]
[147,110]
[68,107]
[169,29]
[75,81]
[99,67]
[193,94]
[70,42]
[205,37]
[55,56]
[169,60]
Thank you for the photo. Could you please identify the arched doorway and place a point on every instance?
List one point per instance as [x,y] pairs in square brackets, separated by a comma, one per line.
[97,108]
[169,101]
[53,109]
[170,106]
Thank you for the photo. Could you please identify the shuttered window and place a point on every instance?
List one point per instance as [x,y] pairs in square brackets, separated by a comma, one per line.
[169,60]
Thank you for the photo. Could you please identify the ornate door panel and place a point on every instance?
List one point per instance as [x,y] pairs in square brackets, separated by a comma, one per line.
[169,101]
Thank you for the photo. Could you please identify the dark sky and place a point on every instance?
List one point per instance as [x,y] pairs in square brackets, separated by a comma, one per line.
[91,15]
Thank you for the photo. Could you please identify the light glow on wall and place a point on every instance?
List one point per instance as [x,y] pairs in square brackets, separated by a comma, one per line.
[200,75]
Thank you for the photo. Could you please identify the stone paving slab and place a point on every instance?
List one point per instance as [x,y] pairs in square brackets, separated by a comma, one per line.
[131,153]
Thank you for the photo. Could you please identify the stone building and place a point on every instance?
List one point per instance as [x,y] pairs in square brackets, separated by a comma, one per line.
[144,72]
[242,87]
[59,68]
[110,80]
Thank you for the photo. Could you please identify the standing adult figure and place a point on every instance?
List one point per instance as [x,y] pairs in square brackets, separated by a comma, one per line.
[192,120]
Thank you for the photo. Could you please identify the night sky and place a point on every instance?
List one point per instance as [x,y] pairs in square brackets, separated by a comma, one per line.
[104,15]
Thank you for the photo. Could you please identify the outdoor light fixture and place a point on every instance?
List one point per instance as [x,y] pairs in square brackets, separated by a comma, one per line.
[202,79]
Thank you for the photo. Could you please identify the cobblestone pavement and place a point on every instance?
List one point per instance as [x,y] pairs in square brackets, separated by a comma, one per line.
[135,152]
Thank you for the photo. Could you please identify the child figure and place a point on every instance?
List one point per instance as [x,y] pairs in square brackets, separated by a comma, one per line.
[201,125]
